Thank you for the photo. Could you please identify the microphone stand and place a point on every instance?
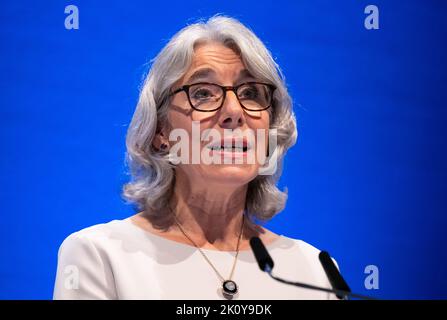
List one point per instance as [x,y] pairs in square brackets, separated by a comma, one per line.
[343,293]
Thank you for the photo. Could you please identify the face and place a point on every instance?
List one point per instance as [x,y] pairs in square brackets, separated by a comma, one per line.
[215,63]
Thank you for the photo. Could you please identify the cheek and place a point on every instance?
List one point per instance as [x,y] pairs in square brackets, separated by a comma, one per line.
[267,119]
[203,117]
[178,120]
[262,121]
[181,115]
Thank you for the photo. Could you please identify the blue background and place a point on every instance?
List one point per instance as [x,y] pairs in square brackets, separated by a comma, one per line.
[367,178]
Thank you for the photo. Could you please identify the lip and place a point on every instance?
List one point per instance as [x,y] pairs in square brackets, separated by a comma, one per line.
[231,142]
[230,154]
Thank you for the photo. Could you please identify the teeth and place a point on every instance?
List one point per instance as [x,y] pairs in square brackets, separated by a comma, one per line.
[233,148]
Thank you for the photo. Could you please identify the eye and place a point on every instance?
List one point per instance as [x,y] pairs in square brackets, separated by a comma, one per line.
[248,92]
[202,93]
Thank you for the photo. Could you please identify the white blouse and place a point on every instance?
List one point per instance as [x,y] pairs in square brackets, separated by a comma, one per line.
[120,260]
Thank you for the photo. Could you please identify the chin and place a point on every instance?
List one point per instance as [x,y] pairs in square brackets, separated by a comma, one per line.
[231,173]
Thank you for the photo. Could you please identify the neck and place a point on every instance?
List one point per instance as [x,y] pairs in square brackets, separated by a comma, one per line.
[210,215]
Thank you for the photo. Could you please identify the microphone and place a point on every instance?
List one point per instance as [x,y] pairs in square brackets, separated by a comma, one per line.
[266,264]
[334,276]
[262,256]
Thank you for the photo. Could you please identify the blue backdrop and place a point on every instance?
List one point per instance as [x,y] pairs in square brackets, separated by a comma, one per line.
[366,180]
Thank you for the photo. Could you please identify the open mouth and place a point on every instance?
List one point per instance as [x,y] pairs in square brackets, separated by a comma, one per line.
[232,145]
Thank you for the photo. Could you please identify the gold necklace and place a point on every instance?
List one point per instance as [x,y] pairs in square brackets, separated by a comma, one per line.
[229,287]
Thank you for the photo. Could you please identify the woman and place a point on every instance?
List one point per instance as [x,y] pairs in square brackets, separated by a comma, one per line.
[191,238]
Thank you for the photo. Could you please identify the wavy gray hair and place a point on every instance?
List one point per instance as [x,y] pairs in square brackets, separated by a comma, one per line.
[152,175]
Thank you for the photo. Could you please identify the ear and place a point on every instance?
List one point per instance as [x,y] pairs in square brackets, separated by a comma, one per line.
[160,141]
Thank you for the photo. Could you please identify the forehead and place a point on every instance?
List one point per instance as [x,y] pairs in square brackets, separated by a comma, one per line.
[215,52]
[214,60]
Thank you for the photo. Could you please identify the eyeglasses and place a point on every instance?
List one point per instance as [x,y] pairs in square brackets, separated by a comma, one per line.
[207,97]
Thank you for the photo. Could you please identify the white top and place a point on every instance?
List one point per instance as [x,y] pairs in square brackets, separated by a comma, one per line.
[120,260]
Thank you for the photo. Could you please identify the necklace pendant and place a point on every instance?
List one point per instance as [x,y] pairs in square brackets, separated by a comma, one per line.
[229,288]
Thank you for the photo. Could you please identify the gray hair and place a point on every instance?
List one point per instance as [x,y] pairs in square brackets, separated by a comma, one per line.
[152,175]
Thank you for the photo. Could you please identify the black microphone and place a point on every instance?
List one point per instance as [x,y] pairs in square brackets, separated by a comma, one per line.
[262,256]
[266,264]
[334,276]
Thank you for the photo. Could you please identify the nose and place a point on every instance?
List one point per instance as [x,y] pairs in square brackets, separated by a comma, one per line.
[231,113]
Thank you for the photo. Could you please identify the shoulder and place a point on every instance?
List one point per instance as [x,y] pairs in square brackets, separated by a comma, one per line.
[92,243]
[303,261]
[307,248]
[83,267]
[94,231]
[95,234]
[309,251]
[83,270]
[288,242]
[84,242]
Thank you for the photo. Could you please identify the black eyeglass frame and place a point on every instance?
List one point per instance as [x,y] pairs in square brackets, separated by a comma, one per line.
[225,89]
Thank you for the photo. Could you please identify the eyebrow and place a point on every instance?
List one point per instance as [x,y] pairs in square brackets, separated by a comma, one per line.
[208,72]
[245,74]
[200,74]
